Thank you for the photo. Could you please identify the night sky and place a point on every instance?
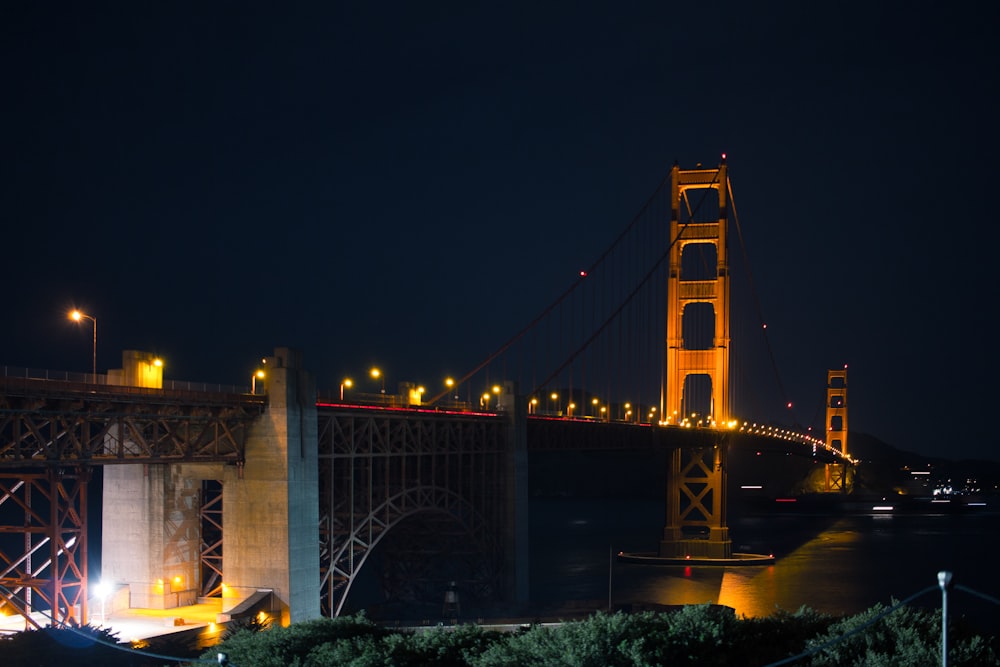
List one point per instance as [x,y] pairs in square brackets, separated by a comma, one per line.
[408,184]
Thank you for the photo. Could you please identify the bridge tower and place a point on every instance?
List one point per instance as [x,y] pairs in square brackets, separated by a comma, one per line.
[696,503]
[684,360]
[836,428]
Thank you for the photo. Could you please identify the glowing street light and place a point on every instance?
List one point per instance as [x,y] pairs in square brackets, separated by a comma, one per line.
[377,374]
[77,316]
[450,383]
[594,402]
[102,589]
[484,400]
[533,405]
[569,409]
[346,383]
[554,397]
[258,375]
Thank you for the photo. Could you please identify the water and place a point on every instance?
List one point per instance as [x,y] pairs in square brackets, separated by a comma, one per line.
[836,565]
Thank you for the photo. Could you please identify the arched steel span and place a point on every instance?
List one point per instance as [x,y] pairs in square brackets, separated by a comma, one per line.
[380,466]
[350,549]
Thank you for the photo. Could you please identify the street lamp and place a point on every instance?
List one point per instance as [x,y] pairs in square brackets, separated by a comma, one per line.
[102,591]
[259,375]
[377,374]
[345,383]
[450,383]
[594,402]
[569,409]
[533,405]
[76,316]
[554,397]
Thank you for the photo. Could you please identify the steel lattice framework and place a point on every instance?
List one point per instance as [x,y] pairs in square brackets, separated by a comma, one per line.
[51,433]
[381,467]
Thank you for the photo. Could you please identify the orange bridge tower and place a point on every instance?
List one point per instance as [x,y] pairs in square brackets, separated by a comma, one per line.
[690,228]
[696,504]
[836,428]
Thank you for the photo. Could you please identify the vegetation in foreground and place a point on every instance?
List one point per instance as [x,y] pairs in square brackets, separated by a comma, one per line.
[696,635]
[700,635]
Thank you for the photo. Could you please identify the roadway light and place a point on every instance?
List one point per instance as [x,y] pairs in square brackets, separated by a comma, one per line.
[569,409]
[77,316]
[594,402]
[346,383]
[258,375]
[532,405]
[554,397]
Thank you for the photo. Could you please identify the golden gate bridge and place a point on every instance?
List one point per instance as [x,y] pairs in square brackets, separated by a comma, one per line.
[649,347]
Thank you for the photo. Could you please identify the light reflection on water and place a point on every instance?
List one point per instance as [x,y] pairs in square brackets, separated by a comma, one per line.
[833,565]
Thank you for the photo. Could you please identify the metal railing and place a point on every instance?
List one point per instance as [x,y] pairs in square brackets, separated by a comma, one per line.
[99,379]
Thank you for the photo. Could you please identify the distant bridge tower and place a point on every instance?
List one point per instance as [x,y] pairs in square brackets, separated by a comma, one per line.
[696,487]
[683,360]
[836,428]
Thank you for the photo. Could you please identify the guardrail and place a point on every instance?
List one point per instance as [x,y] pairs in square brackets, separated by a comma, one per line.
[18,372]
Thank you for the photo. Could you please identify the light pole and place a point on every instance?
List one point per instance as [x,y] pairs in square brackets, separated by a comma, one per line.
[102,592]
[345,383]
[76,316]
[253,380]
[377,374]
[554,397]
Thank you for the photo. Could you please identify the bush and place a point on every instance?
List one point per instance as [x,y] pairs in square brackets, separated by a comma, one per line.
[281,647]
[906,637]
[85,645]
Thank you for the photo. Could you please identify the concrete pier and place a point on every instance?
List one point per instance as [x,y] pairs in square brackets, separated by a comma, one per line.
[152,523]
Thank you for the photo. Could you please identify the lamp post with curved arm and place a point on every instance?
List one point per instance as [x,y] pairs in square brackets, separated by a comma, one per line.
[77,316]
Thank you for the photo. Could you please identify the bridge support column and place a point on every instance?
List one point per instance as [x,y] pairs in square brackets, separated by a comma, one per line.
[271,511]
[696,505]
[150,536]
[517,552]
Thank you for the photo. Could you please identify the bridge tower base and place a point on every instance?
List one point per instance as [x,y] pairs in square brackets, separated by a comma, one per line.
[696,505]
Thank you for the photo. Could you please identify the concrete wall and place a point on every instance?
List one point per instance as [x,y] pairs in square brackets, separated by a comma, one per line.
[271,513]
[151,532]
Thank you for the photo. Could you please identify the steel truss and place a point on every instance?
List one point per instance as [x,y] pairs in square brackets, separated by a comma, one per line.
[51,432]
[49,575]
[44,422]
[379,469]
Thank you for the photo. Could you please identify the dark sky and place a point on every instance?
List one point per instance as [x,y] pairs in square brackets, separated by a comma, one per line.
[408,184]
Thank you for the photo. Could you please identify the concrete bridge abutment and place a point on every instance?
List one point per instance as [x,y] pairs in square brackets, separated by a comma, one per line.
[271,511]
[270,506]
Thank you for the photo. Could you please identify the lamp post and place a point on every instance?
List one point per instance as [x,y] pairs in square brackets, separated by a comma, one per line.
[259,374]
[346,383]
[378,375]
[554,397]
[102,592]
[76,316]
